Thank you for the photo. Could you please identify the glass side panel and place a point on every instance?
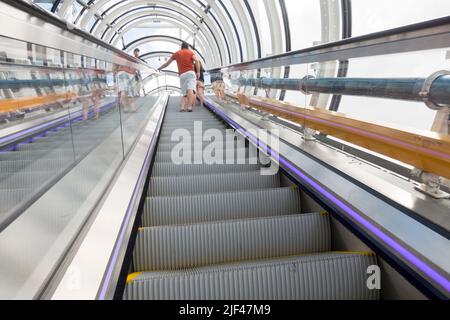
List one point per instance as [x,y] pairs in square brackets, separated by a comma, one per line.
[67,122]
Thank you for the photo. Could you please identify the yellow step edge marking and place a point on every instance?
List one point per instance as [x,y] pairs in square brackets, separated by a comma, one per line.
[324,213]
[133,276]
[361,253]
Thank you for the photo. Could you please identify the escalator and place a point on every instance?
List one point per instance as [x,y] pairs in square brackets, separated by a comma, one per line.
[226,232]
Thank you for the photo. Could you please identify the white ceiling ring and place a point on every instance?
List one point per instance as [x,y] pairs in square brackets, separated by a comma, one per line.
[206,54]
[132,4]
[210,49]
[141,41]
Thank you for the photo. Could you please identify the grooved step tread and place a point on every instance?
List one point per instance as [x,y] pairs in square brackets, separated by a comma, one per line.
[169,169]
[184,185]
[180,247]
[316,277]
[159,211]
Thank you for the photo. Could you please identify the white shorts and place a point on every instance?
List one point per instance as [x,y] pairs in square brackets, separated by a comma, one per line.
[124,84]
[188,81]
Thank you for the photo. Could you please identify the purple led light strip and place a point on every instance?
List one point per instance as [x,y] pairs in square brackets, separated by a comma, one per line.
[115,256]
[364,133]
[421,265]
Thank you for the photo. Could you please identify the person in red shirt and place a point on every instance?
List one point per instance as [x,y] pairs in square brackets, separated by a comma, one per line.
[186,60]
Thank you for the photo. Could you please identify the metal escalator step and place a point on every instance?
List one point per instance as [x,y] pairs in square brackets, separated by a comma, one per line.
[181,247]
[169,146]
[171,119]
[328,276]
[178,123]
[200,184]
[191,125]
[168,133]
[166,156]
[160,211]
[169,169]
[167,139]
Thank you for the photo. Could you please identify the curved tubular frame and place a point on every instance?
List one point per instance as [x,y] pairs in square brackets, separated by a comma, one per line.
[155,53]
[346,12]
[200,47]
[237,55]
[230,44]
[209,12]
[137,42]
[287,33]
[175,5]
[211,51]
[164,88]
[238,37]
[211,37]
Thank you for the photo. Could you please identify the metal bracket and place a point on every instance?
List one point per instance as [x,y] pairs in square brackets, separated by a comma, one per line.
[431,185]
[304,79]
[309,134]
[425,93]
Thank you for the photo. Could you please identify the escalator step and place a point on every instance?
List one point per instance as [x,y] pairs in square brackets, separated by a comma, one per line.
[180,247]
[166,156]
[178,185]
[169,146]
[160,211]
[169,169]
[328,276]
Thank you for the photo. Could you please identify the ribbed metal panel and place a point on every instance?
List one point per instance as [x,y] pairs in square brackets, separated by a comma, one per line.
[191,125]
[319,277]
[162,211]
[176,186]
[167,132]
[166,156]
[192,145]
[179,247]
[167,138]
[169,169]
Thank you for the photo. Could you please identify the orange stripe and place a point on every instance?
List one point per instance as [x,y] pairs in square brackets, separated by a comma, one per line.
[7,105]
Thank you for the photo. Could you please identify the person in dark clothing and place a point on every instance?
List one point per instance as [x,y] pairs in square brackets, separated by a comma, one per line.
[201,86]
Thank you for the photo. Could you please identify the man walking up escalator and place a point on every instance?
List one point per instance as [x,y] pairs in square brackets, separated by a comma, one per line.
[186,60]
